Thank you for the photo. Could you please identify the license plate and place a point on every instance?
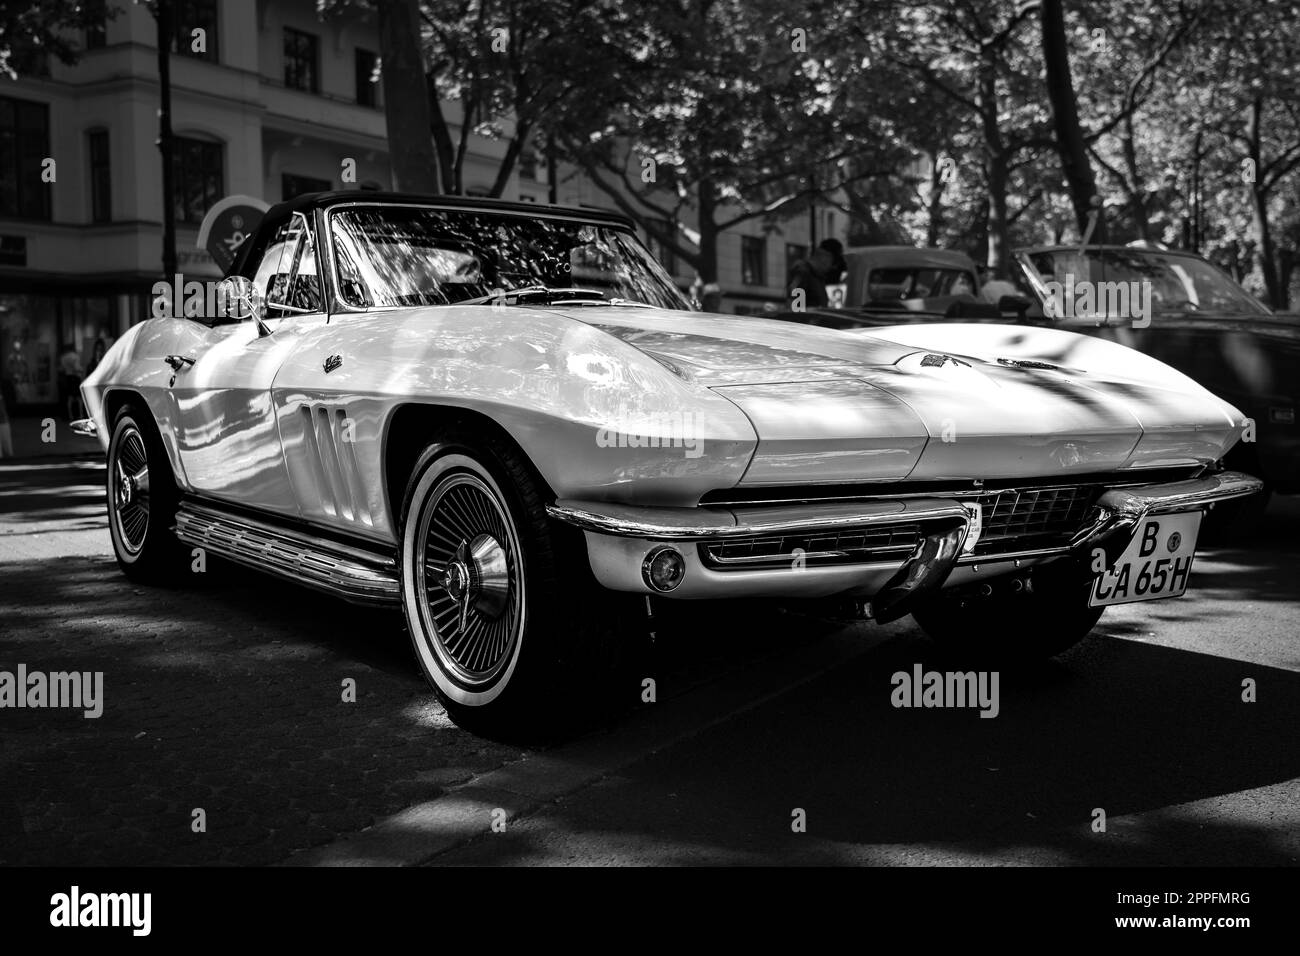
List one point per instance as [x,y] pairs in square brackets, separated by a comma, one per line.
[1156,563]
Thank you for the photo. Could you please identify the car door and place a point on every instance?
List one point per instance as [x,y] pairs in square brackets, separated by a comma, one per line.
[332,431]
[230,443]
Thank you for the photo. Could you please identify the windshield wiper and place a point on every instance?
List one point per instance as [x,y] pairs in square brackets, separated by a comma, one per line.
[572,295]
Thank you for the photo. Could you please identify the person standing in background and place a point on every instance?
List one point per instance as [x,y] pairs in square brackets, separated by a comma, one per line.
[6,435]
[97,353]
[992,289]
[824,267]
[69,383]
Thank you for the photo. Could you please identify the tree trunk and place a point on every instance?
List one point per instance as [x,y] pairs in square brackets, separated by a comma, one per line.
[999,232]
[995,163]
[1264,243]
[509,160]
[441,134]
[934,206]
[1070,143]
[710,300]
[406,100]
[1136,192]
[1286,263]
[469,106]
[1259,195]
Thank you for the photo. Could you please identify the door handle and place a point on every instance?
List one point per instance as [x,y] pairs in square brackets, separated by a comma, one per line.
[177,362]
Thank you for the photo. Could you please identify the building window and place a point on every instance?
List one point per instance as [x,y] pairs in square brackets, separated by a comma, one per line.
[97,28]
[191,15]
[794,252]
[528,164]
[291,185]
[101,180]
[301,61]
[199,177]
[367,78]
[753,260]
[24,145]
[660,249]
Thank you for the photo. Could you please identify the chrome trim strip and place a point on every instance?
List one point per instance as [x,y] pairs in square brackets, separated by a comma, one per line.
[876,556]
[678,524]
[1115,481]
[352,573]
[995,556]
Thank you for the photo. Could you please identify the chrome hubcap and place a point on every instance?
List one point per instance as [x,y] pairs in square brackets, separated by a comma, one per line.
[478,577]
[129,489]
[468,585]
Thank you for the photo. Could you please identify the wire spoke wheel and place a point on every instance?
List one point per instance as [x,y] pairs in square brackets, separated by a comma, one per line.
[468,580]
[128,489]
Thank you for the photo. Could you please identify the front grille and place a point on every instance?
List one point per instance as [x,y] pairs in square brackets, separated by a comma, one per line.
[1030,519]
[854,546]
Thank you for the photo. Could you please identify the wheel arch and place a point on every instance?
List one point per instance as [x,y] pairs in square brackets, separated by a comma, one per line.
[413,426]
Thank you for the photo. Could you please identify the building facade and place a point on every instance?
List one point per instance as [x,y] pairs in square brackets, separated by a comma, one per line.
[268,100]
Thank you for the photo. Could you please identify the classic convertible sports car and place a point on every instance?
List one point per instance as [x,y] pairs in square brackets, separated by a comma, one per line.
[497,414]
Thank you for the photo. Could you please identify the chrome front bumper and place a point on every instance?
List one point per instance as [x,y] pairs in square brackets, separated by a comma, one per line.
[620,537]
[1116,516]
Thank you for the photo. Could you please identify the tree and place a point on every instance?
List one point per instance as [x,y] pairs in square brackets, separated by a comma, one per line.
[1070,142]
[36,28]
[977,56]
[522,71]
[736,113]
[406,102]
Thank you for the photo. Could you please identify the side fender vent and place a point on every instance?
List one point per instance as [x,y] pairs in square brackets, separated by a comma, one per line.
[329,439]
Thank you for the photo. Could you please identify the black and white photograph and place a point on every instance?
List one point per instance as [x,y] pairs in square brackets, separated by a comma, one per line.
[716,434]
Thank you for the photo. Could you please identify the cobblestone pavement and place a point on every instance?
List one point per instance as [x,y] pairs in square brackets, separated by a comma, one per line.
[225,696]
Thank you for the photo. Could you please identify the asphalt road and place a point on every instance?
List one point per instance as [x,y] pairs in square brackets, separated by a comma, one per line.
[226,697]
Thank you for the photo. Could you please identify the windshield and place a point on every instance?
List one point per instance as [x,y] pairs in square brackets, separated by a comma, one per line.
[917,283]
[1178,283]
[416,255]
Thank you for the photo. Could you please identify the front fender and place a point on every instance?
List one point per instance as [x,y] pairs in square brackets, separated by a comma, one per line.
[599,419]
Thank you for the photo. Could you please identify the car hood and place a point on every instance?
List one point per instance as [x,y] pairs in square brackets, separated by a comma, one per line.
[932,402]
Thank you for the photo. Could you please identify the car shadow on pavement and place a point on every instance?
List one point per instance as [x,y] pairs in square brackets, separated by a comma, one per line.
[1134,731]
[226,694]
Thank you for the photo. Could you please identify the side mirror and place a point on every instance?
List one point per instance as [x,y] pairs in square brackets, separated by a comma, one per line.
[238,301]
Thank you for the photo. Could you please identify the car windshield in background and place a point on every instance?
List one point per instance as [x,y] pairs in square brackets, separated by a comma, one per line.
[1178,283]
[416,255]
[884,285]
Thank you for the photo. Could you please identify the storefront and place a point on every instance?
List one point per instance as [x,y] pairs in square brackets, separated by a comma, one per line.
[50,340]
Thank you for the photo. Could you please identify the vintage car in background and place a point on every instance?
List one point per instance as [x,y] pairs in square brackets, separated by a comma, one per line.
[1201,322]
[505,419]
[888,285]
